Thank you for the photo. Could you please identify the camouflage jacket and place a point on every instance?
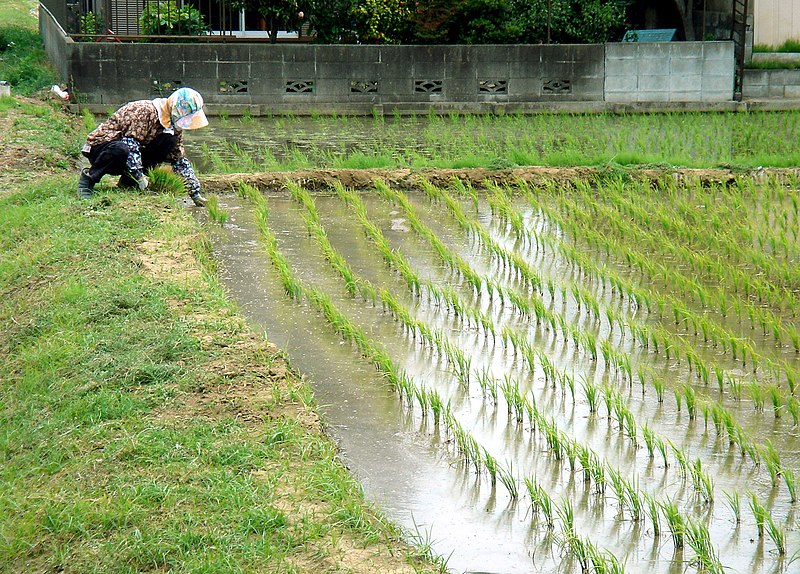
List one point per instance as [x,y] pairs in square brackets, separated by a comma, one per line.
[137,120]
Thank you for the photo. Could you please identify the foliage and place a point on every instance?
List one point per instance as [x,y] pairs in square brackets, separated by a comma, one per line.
[90,24]
[381,21]
[589,21]
[468,21]
[482,22]
[329,21]
[277,14]
[166,19]
[23,62]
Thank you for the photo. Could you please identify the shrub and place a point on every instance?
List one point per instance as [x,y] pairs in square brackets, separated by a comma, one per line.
[166,19]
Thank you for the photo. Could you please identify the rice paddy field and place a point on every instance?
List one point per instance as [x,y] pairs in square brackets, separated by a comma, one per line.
[607,364]
[745,140]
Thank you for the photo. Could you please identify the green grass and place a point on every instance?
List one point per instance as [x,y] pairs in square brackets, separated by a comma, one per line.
[616,142]
[105,469]
[23,63]
[789,46]
[773,65]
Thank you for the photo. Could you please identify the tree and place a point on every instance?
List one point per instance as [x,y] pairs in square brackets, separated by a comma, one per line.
[277,14]
[381,21]
[482,22]
[331,21]
[565,22]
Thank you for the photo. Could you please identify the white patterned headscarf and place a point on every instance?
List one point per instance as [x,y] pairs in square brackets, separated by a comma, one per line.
[183,109]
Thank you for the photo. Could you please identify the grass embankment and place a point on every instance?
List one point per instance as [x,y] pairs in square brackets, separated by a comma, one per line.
[143,426]
[23,62]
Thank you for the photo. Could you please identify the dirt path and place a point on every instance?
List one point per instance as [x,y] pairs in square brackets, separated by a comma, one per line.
[407,178]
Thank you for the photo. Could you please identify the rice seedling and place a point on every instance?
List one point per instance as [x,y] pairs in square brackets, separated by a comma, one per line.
[653,513]
[777,532]
[675,522]
[506,477]
[775,397]
[789,478]
[732,499]
[760,513]
[699,540]
[566,514]
[658,385]
[690,399]
[215,212]
[757,394]
[772,461]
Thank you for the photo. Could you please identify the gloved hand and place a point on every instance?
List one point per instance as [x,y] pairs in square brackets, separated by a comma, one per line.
[143,182]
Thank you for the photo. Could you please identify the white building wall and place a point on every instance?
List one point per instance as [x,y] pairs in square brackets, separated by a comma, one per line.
[775,21]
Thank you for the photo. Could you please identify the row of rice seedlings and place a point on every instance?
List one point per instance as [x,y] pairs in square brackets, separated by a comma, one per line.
[652,335]
[722,220]
[643,332]
[530,307]
[468,448]
[504,209]
[434,338]
[770,323]
[473,227]
[733,249]
[454,261]
[625,417]
[701,480]
[627,494]
[703,484]
[396,260]
[699,262]
[586,226]
[744,349]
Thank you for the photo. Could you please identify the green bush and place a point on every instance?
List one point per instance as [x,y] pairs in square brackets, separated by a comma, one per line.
[166,19]
[23,62]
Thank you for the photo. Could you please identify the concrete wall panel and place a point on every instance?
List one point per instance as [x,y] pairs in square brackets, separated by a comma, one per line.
[262,74]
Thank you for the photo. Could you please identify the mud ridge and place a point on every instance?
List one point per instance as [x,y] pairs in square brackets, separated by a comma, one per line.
[320,179]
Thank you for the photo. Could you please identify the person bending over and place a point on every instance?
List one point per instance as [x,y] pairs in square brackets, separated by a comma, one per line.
[141,135]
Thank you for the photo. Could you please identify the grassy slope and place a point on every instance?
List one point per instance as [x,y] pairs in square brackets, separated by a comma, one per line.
[142,425]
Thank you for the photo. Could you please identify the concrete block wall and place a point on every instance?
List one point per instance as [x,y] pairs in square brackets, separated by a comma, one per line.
[771,84]
[303,78]
[669,72]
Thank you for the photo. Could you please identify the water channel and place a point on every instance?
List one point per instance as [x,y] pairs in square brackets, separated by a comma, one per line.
[408,465]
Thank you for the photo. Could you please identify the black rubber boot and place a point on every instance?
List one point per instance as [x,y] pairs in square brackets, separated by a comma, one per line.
[85,185]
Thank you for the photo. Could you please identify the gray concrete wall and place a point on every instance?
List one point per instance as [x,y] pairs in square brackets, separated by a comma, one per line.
[303,78]
[771,84]
[289,76]
[55,42]
[669,72]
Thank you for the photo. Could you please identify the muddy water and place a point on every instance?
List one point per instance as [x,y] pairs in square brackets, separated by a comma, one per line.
[407,465]
[401,468]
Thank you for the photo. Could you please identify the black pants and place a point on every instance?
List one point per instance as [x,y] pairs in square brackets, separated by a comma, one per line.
[111,158]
